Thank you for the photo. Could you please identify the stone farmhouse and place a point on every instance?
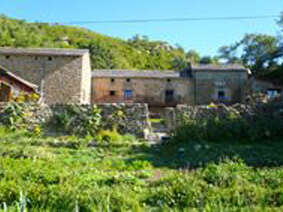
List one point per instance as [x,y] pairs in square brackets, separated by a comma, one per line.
[64,76]
[201,84]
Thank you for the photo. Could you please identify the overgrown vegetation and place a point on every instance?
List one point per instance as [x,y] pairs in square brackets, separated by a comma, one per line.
[232,128]
[64,174]
[77,120]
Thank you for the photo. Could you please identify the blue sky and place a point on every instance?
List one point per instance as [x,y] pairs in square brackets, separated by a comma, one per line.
[205,36]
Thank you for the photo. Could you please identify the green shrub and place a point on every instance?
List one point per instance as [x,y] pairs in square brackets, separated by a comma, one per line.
[229,129]
[109,136]
[75,119]
[13,115]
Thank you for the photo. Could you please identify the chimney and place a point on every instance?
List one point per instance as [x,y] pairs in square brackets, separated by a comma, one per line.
[187,71]
[189,65]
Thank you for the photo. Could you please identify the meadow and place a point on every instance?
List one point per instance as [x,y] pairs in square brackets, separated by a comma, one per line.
[123,173]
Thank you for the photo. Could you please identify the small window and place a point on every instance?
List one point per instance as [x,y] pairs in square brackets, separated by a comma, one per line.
[168,80]
[128,80]
[221,95]
[169,96]
[128,94]
[7,57]
[112,80]
[112,93]
[50,58]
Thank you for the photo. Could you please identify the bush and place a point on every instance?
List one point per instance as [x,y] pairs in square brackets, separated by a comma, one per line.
[109,136]
[75,119]
[231,128]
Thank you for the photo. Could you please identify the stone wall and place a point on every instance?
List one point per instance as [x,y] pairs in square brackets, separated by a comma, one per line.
[62,79]
[174,117]
[86,80]
[134,118]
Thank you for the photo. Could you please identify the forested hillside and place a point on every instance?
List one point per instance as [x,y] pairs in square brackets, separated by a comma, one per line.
[261,53]
[106,52]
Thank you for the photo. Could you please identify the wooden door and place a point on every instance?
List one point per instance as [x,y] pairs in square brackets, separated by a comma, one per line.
[5,93]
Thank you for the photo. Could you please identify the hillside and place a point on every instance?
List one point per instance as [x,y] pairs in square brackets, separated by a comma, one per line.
[106,52]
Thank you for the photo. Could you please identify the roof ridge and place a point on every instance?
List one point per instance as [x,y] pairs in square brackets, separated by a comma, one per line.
[6,71]
[43,51]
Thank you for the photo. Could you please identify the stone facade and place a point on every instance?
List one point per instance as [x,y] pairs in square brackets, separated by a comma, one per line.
[149,90]
[197,85]
[220,86]
[62,75]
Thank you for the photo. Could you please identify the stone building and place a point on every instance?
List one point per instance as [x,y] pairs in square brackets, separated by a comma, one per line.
[12,86]
[219,83]
[62,75]
[154,87]
[200,84]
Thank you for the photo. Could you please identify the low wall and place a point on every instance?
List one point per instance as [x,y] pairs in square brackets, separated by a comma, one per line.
[133,119]
[175,116]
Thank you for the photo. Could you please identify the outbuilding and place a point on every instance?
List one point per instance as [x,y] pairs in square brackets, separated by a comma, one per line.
[11,86]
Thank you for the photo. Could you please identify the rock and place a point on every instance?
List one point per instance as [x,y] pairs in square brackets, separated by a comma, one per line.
[92,143]
[181,150]
[197,147]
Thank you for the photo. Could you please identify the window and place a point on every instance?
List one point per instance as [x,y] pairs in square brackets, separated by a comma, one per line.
[169,96]
[128,80]
[168,80]
[7,57]
[221,95]
[112,93]
[273,93]
[112,80]
[50,58]
[128,94]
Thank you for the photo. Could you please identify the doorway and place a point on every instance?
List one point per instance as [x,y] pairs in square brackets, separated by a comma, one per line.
[169,96]
[5,92]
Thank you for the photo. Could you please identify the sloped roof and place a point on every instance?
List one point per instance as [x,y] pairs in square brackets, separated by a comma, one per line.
[165,74]
[43,51]
[212,67]
[138,74]
[19,79]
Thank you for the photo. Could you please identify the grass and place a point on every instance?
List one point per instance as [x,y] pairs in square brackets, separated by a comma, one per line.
[63,173]
[156,120]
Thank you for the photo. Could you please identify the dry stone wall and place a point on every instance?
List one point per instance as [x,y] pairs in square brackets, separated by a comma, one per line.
[174,117]
[128,118]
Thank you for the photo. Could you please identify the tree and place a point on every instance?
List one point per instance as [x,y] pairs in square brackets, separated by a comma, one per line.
[209,60]
[259,52]
[229,54]
[193,56]
[179,63]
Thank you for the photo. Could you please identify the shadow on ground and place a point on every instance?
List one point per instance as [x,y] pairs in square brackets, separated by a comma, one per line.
[193,155]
